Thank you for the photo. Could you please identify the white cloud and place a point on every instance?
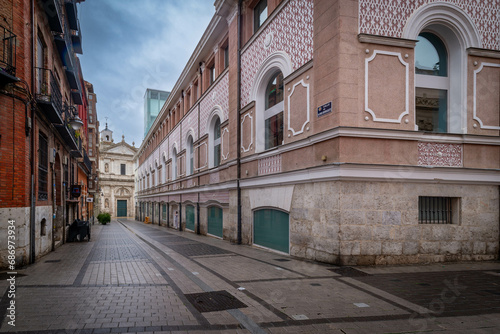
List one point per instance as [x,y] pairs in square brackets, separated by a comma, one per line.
[133,45]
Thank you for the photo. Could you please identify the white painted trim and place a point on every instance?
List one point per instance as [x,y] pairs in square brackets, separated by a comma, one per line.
[306,86]
[405,64]
[450,15]
[249,115]
[206,189]
[278,61]
[224,157]
[206,161]
[379,134]
[475,117]
[374,173]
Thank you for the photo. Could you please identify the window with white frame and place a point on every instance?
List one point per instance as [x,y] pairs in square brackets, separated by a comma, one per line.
[431,83]
[273,113]
[174,164]
[215,142]
[190,156]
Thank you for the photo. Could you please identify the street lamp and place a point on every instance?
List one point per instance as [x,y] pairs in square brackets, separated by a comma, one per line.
[75,121]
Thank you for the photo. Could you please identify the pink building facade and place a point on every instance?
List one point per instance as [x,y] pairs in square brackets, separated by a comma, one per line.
[348,132]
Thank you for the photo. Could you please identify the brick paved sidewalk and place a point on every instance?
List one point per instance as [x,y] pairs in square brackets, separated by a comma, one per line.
[142,278]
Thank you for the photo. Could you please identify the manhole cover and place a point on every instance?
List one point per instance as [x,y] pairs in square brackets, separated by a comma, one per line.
[349,272]
[214,301]
[52,261]
[281,260]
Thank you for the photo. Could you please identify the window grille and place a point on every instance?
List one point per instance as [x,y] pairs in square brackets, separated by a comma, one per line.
[436,210]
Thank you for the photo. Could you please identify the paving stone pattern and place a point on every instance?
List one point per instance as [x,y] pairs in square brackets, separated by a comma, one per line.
[137,278]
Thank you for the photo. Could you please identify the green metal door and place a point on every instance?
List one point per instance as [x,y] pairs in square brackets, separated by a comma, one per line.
[190,217]
[121,208]
[215,221]
[271,229]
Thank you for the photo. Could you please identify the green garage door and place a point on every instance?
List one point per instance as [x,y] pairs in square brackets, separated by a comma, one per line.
[215,221]
[190,217]
[271,229]
[121,208]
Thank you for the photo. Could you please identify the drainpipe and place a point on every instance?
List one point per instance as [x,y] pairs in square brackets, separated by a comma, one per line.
[238,127]
[180,214]
[32,186]
[168,214]
[198,215]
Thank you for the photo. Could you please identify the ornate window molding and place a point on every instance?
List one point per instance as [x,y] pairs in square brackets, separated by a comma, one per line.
[306,86]
[475,117]
[406,65]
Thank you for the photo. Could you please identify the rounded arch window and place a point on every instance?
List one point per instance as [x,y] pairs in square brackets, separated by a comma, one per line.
[190,155]
[274,111]
[432,84]
[431,57]
[216,142]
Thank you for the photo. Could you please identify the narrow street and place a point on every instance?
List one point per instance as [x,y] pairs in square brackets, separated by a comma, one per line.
[133,277]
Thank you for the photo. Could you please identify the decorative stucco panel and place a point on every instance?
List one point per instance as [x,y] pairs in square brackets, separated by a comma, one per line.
[290,31]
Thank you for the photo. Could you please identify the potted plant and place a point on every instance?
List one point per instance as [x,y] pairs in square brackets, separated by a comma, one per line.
[104,218]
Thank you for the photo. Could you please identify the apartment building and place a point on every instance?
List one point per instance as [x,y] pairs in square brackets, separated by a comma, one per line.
[44,165]
[349,132]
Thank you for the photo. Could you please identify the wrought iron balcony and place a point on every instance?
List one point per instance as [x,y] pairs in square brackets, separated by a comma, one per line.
[76,39]
[64,43]
[69,135]
[86,162]
[7,56]
[48,95]
[53,10]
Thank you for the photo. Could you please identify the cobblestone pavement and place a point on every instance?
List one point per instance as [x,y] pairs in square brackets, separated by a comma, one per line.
[142,278]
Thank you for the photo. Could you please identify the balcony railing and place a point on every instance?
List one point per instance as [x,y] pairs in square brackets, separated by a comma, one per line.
[53,10]
[87,162]
[48,94]
[7,55]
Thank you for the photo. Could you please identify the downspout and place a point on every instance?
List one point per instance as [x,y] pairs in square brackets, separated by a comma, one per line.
[180,214]
[238,127]
[32,187]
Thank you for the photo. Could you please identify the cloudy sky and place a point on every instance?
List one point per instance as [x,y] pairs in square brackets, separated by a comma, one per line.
[131,45]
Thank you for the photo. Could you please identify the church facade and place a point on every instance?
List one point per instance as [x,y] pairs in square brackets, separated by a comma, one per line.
[116,176]
[349,132]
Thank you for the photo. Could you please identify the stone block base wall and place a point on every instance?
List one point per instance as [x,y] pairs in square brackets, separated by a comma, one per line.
[365,223]
[21,216]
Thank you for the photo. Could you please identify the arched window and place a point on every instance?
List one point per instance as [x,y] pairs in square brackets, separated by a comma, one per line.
[174,164]
[445,31]
[190,156]
[214,142]
[273,114]
[432,83]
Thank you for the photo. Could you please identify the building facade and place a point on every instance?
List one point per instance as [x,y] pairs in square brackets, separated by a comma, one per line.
[44,166]
[93,152]
[116,176]
[153,101]
[349,132]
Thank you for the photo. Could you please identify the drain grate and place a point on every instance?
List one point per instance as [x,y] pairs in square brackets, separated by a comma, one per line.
[196,249]
[214,301]
[349,272]
[282,260]
[52,261]
[315,284]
